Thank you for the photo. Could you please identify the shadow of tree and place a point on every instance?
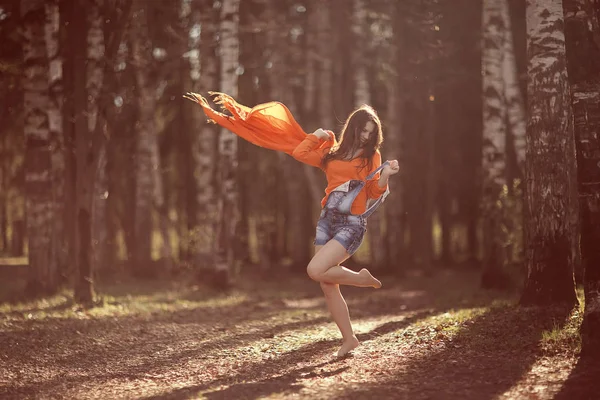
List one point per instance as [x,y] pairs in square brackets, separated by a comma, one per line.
[485,359]
[583,381]
[265,378]
[82,352]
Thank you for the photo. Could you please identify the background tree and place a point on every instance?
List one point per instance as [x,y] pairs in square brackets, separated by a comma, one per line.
[582,30]
[549,161]
[43,277]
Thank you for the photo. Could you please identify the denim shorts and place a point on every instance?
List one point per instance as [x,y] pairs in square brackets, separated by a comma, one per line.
[349,230]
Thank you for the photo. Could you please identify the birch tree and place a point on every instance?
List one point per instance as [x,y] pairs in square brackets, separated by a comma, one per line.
[204,141]
[95,77]
[55,123]
[549,160]
[582,32]
[503,125]
[149,192]
[362,95]
[38,158]
[325,64]
[228,208]
[494,139]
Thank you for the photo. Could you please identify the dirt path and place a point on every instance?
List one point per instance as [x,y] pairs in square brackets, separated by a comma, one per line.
[421,339]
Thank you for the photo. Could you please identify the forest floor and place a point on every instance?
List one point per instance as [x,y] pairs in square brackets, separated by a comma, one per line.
[439,337]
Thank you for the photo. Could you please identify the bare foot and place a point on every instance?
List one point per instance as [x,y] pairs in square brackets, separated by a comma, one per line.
[369,279]
[347,346]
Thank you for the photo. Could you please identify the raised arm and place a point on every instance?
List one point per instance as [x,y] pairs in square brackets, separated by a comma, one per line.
[379,184]
[314,147]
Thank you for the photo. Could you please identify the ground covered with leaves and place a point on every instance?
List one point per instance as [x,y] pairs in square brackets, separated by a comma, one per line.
[439,337]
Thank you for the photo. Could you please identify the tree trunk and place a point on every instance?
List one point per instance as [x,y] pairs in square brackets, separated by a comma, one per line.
[38,155]
[494,142]
[149,189]
[204,146]
[84,182]
[362,95]
[68,130]
[549,159]
[393,149]
[515,108]
[95,78]
[582,32]
[362,91]
[325,66]
[55,120]
[298,233]
[228,207]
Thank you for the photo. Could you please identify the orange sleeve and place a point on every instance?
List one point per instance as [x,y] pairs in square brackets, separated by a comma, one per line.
[312,149]
[373,188]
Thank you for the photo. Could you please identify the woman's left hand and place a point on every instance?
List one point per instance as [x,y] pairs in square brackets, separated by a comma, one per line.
[392,168]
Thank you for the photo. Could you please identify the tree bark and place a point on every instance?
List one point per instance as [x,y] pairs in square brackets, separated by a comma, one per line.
[494,142]
[55,120]
[84,181]
[582,33]
[95,78]
[38,156]
[549,161]
[393,149]
[325,65]
[205,146]
[149,189]
[228,207]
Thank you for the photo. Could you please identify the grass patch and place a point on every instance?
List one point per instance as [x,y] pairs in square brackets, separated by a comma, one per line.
[565,338]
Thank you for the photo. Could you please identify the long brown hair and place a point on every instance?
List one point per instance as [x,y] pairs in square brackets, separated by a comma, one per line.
[349,140]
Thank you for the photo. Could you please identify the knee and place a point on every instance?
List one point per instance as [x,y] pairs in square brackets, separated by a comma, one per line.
[313,272]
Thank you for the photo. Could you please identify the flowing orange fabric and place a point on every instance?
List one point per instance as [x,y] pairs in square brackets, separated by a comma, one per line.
[269,125]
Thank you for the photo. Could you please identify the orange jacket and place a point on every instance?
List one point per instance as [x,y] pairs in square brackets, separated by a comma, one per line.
[312,150]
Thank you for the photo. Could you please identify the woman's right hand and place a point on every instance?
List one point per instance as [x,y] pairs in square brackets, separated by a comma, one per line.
[321,134]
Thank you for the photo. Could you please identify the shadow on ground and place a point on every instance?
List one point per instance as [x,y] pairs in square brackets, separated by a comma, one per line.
[172,347]
[271,380]
[485,359]
[583,382]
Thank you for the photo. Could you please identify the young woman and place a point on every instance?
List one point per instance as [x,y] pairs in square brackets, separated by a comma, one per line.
[340,234]
[354,175]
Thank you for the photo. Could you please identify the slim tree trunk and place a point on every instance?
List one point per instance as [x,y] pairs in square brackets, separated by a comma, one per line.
[325,65]
[392,149]
[362,92]
[149,191]
[549,160]
[38,156]
[582,32]
[95,78]
[515,107]
[84,182]
[362,95]
[228,198]
[296,184]
[204,145]
[55,120]
[494,142]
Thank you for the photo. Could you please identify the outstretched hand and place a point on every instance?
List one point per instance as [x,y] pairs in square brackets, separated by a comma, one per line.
[392,168]
[321,134]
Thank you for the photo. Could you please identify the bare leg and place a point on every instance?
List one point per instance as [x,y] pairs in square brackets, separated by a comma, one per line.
[324,267]
[339,312]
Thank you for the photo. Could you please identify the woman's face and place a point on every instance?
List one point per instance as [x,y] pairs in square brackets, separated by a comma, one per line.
[366,132]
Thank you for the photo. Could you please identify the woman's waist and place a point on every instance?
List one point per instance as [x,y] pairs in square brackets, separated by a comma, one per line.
[338,217]
[359,204]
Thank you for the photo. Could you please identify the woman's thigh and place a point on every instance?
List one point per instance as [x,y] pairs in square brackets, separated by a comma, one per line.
[327,256]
